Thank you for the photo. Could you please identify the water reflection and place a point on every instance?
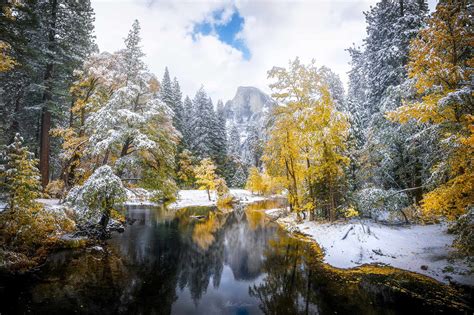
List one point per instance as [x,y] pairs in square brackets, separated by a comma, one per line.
[205,261]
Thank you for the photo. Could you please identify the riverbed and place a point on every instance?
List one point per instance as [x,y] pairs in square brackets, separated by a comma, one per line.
[201,260]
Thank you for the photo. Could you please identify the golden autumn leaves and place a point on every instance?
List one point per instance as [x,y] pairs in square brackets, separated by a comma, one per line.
[441,64]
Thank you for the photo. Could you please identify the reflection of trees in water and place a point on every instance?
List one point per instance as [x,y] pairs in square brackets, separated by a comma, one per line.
[246,244]
[202,256]
[98,277]
[297,282]
[144,267]
[285,289]
[218,239]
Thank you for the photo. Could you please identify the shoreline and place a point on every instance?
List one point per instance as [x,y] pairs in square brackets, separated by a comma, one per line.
[423,249]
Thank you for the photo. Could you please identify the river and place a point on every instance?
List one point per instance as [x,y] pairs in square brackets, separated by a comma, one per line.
[204,261]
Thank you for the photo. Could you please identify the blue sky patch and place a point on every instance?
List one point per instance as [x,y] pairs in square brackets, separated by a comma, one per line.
[226,32]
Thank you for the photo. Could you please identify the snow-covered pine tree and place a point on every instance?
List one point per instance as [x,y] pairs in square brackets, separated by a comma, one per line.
[20,175]
[26,225]
[166,89]
[234,145]
[187,125]
[336,88]
[177,106]
[378,84]
[68,27]
[253,146]
[220,134]
[239,179]
[202,124]
[170,94]
[49,39]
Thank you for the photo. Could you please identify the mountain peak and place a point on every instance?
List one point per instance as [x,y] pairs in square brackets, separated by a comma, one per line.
[248,102]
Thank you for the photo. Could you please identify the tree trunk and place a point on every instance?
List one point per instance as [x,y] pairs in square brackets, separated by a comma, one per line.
[125,148]
[208,194]
[15,126]
[45,144]
[104,220]
[106,157]
[311,190]
[332,206]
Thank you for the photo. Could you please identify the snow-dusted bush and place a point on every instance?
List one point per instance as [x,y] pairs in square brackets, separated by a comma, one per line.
[379,203]
[94,200]
[55,189]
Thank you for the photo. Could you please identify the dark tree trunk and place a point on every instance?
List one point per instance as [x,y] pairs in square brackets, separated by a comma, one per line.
[106,157]
[15,126]
[45,144]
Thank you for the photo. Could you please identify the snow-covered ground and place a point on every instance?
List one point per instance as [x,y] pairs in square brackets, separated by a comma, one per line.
[424,249]
[139,196]
[51,204]
[194,197]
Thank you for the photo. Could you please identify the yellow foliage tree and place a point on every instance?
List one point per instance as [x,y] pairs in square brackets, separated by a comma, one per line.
[206,176]
[185,169]
[6,61]
[89,91]
[255,181]
[441,63]
[307,143]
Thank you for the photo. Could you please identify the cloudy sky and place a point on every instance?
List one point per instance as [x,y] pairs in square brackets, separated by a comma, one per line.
[225,44]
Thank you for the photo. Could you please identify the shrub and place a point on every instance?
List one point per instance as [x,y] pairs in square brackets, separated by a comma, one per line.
[464,230]
[55,189]
[93,202]
[379,203]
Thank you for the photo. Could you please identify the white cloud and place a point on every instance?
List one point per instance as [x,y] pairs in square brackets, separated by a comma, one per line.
[274,31]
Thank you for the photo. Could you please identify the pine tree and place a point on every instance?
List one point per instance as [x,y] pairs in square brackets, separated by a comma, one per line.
[253,146]
[187,131]
[382,155]
[441,65]
[26,225]
[239,179]
[21,176]
[203,125]
[220,137]
[69,27]
[177,106]
[234,143]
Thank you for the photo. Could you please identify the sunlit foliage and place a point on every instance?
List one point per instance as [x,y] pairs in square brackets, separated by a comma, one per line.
[307,143]
[441,64]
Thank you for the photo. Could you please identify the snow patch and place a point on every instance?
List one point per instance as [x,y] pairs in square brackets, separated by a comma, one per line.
[199,198]
[139,197]
[3,206]
[355,243]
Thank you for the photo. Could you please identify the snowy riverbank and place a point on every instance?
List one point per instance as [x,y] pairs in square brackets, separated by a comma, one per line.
[186,198]
[424,249]
[199,198]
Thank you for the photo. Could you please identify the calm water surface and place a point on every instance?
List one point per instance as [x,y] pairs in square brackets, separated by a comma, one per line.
[231,262]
